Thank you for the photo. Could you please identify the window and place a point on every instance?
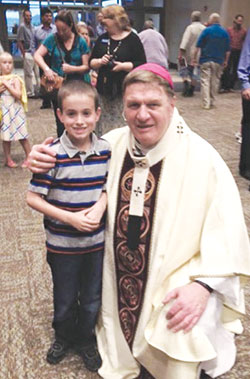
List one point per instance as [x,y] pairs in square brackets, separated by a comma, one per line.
[35,11]
[12,21]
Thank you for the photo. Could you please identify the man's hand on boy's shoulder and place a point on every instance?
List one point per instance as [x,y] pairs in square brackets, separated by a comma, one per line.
[42,157]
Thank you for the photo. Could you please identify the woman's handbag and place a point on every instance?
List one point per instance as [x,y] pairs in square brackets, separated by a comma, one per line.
[49,86]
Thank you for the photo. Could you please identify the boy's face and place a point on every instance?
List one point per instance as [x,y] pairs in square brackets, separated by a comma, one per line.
[79,117]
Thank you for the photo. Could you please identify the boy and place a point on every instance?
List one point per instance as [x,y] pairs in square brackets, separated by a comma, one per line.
[73,200]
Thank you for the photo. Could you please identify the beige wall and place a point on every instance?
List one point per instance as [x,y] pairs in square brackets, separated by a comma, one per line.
[232,7]
[178,17]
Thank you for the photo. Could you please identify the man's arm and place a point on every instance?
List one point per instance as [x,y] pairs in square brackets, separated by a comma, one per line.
[78,220]
[181,56]
[225,63]
[244,67]
[246,93]
[187,311]
[196,52]
[20,39]
[199,45]
[21,47]
[42,157]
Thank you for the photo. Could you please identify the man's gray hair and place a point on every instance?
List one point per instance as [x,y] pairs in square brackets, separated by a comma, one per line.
[214,18]
[148,24]
[196,16]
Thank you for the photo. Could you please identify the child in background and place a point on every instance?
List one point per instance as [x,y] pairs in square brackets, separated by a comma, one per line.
[13,103]
[83,31]
[73,199]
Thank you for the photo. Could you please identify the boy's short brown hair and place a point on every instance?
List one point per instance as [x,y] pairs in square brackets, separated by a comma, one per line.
[71,87]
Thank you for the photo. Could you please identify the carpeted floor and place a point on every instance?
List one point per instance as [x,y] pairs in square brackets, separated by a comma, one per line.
[25,282]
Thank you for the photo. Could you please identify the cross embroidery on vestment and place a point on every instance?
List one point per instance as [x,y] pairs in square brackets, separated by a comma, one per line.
[138,191]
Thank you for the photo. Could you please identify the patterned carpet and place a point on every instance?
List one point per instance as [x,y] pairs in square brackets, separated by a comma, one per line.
[25,282]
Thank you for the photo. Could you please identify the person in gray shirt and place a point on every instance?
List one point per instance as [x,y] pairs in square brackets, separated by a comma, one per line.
[25,35]
[155,45]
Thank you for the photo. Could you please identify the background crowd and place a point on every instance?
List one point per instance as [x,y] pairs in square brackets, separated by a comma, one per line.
[103,55]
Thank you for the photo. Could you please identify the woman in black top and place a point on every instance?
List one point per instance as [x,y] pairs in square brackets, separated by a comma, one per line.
[115,53]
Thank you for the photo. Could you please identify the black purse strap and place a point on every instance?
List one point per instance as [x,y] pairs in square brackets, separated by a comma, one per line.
[60,51]
[58,47]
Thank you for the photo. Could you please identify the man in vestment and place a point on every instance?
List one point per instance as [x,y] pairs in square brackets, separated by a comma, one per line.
[176,250]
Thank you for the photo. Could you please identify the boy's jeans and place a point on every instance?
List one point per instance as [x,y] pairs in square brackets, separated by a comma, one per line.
[77,283]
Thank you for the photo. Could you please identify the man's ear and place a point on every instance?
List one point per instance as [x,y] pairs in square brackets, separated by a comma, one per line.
[59,114]
[173,100]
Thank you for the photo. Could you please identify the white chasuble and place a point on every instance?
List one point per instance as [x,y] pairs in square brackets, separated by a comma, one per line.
[197,231]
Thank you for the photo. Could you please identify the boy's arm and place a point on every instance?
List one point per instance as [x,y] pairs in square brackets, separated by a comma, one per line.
[96,212]
[78,220]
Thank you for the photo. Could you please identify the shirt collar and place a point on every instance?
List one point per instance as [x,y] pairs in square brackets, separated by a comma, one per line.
[71,150]
[47,28]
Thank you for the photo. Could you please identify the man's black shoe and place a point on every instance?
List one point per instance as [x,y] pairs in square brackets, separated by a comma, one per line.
[91,357]
[203,375]
[57,352]
[45,106]
[33,96]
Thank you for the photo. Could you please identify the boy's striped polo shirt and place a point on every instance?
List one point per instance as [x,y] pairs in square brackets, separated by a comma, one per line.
[74,184]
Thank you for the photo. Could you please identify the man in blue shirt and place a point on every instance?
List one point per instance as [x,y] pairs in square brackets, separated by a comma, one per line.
[214,46]
[244,75]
